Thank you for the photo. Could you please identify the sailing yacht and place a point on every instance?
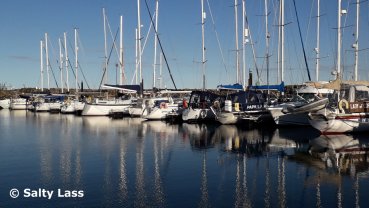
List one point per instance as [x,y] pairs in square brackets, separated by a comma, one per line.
[101,107]
[72,106]
[162,109]
[348,112]
[243,105]
[49,103]
[198,109]
[295,112]
[18,104]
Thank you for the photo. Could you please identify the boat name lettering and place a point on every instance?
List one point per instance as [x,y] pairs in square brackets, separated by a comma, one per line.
[249,107]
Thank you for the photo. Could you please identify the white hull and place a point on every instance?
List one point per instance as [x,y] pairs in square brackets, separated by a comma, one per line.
[340,123]
[137,112]
[18,104]
[47,107]
[158,113]
[227,118]
[5,103]
[101,109]
[281,118]
[72,107]
[290,115]
[196,115]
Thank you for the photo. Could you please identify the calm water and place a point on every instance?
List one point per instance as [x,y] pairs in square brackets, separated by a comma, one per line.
[129,163]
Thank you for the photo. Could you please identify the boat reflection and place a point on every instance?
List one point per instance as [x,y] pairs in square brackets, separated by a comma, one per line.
[345,154]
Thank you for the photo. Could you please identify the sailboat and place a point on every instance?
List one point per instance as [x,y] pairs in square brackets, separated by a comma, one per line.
[349,110]
[349,114]
[198,109]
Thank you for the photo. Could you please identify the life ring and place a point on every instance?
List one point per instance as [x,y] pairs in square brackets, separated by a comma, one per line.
[203,114]
[342,107]
[162,105]
[89,99]
[216,104]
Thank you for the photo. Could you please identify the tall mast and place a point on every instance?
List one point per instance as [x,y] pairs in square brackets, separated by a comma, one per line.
[161,70]
[66,60]
[155,41]
[266,39]
[136,74]
[339,40]
[42,65]
[237,48]
[203,16]
[106,50]
[47,62]
[356,45]
[139,39]
[61,65]
[76,54]
[121,68]
[282,40]
[244,35]
[317,49]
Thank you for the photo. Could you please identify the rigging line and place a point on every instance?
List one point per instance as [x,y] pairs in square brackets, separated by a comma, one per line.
[53,52]
[302,42]
[310,17]
[72,68]
[71,65]
[83,74]
[217,37]
[253,48]
[52,72]
[161,47]
[111,51]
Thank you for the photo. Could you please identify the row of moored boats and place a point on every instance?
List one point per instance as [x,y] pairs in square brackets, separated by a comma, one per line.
[331,107]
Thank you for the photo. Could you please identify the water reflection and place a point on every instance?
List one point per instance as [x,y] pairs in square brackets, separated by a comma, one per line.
[344,154]
[127,162]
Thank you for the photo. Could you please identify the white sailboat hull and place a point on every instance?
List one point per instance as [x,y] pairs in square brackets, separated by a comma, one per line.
[196,115]
[158,113]
[5,103]
[227,118]
[101,109]
[340,123]
[281,118]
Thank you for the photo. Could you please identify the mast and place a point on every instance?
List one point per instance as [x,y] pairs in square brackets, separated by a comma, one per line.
[317,49]
[42,65]
[136,74]
[237,48]
[282,40]
[139,39]
[106,50]
[47,62]
[76,54]
[244,34]
[203,16]
[155,42]
[161,70]
[339,40]
[356,45]
[61,65]
[66,60]
[121,68]
[267,41]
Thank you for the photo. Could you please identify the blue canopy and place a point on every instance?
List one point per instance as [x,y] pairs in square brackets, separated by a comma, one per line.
[230,87]
[269,87]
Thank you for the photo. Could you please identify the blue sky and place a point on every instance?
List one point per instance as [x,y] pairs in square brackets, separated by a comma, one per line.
[24,23]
